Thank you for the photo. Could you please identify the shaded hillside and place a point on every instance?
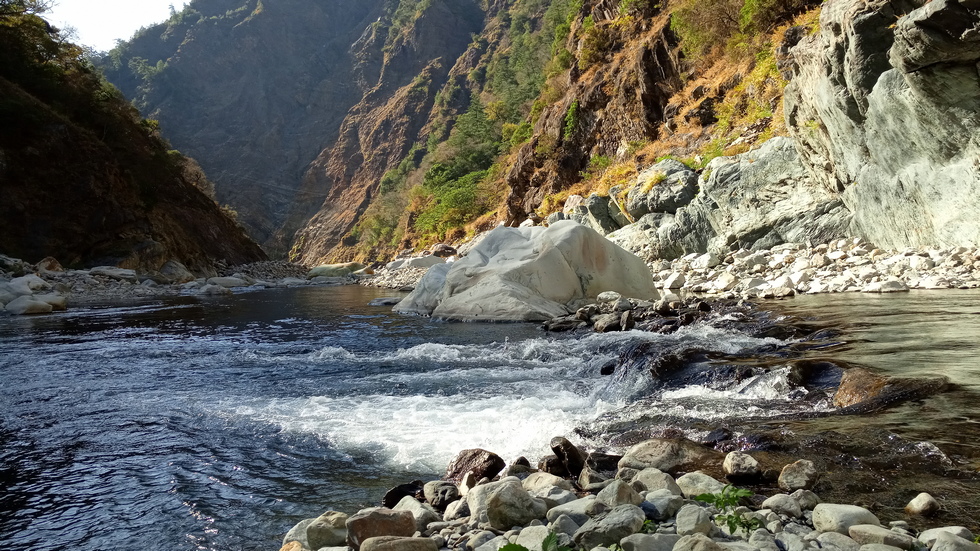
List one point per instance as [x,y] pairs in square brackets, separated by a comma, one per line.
[83,178]
[253,90]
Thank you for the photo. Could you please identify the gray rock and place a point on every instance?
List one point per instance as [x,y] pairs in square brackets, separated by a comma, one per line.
[784,505]
[423,512]
[762,540]
[481,463]
[870,534]
[564,525]
[532,536]
[112,272]
[791,542]
[838,540]
[427,261]
[692,519]
[928,537]
[947,541]
[494,544]
[609,528]
[807,499]
[457,510]
[697,483]
[662,504]
[540,480]
[618,493]
[801,475]
[834,517]
[176,272]
[479,539]
[579,510]
[697,542]
[530,274]
[649,542]
[440,493]
[554,496]
[327,530]
[298,533]
[740,464]
[505,504]
[654,479]
[26,305]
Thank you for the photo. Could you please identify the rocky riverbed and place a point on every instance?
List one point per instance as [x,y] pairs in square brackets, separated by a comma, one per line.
[44,287]
[654,497]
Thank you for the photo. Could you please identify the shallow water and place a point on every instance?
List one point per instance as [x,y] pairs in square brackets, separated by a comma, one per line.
[195,423]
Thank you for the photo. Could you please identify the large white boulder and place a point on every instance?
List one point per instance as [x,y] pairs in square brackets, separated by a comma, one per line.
[530,274]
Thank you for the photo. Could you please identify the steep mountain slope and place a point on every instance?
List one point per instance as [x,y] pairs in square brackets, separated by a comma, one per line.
[254,90]
[83,178]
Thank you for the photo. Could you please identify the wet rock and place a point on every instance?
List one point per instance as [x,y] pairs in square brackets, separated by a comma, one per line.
[394,495]
[327,530]
[923,504]
[571,457]
[564,323]
[483,464]
[606,323]
[857,385]
[871,533]
[395,543]
[668,455]
[552,465]
[609,528]
[835,517]
[385,301]
[799,475]
[697,483]
[378,521]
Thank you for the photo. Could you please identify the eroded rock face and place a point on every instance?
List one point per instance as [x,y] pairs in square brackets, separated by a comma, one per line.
[531,274]
[886,113]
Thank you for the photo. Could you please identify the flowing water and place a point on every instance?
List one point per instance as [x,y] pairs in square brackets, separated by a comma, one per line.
[192,423]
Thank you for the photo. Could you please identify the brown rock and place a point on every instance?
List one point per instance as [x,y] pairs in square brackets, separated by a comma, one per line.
[394,495]
[570,456]
[552,465]
[443,251]
[292,546]
[50,264]
[378,521]
[858,385]
[483,463]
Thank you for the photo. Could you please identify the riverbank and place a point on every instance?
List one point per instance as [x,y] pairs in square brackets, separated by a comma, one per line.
[657,496]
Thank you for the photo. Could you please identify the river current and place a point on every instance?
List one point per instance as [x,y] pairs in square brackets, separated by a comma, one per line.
[190,423]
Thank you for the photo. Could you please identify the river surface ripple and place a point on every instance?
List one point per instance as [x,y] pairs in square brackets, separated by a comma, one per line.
[192,423]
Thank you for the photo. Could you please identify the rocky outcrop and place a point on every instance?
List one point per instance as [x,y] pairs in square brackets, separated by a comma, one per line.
[885,106]
[755,200]
[529,274]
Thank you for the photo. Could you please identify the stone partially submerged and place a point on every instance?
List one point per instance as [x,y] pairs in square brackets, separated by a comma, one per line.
[529,274]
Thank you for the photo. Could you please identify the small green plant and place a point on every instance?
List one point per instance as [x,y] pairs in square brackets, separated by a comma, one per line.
[571,121]
[726,502]
[649,527]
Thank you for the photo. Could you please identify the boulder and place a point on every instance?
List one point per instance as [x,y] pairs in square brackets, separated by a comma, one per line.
[783,504]
[213,290]
[541,480]
[395,543]
[26,285]
[504,504]
[482,463]
[423,512]
[649,542]
[334,270]
[669,455]
[928,537]
[697,483]
[440,493]
[27,305]
[532,536]
[609,528]
[49,264]
[327,530]
[651,479]
[297,535]
[740,465]
[947,541]
[57,302]
[838,540]
[862,390]
[378,521]
[618,493]
[662,504]
[693,519]
[697,542]
[799,475]
[442,250]
[564,525]
[579,511]
[835,517]
[423,261]
[570,456]
[531,274]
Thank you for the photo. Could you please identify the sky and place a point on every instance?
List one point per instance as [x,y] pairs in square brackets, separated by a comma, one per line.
[98,23]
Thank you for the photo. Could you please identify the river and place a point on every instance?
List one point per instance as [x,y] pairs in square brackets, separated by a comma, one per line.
[190,423]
